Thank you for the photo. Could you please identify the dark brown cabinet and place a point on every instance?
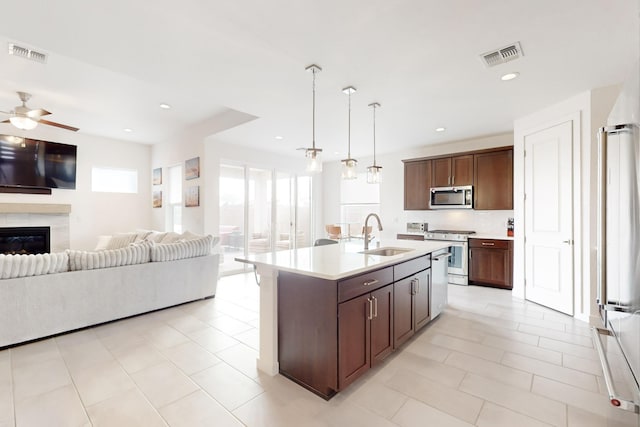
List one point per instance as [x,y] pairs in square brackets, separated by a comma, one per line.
[493,177]
[417,182]
[489,171]
[452,171]
[491,262]
[365,333]
[331,332]
[411,298]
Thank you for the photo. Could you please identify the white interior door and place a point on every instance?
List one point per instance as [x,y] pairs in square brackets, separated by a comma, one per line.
[549,217]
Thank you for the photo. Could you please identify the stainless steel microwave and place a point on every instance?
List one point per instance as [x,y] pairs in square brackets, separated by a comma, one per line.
[451,197]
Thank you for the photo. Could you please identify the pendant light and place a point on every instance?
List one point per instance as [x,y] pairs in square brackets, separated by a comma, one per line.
[374,172]
[349,165]
[314,162]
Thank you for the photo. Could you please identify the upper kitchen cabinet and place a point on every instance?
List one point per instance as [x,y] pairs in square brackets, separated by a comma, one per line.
[493,177]
[417,182]
[452,171]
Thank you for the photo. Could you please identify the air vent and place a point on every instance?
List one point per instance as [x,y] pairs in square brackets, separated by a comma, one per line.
[502,55]
[27,53]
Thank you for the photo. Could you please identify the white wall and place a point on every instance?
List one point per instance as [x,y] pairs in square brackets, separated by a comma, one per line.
[172,153]
[392,213]
[588,111]
[93,214]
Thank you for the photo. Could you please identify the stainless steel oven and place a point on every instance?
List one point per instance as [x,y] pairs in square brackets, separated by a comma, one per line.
[458,270]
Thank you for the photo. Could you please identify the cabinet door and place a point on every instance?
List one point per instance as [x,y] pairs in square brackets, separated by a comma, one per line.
[441,172]
[491,266]
[462,170]
[402,311]
[417,182]
[493,177]
[421,299]
[354,328]
[382,324]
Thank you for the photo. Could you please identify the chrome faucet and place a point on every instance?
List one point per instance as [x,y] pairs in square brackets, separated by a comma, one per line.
[366,230]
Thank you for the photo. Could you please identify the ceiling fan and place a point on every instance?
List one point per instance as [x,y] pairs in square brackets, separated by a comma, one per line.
[25,118]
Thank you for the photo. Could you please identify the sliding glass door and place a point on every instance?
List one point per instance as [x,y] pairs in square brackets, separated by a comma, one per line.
[273,207]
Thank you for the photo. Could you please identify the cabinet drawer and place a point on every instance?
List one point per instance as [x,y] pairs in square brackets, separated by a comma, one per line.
[363,283]
[410,236]
[489,243]
[406,269]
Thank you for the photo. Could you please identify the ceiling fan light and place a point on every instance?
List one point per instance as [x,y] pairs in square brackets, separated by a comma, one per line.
[23,122]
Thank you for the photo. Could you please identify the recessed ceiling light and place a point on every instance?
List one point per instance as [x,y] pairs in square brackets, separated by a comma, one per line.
[128,130]
[165,106]
[441,129]
[278,137]
[509,76]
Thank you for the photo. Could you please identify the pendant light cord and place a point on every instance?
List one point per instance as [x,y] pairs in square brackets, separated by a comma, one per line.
[374,135]
[349,137]
[313,114]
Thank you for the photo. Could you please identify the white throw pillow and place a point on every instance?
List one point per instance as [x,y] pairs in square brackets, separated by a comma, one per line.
[187,235]
[103,242]
[155,236]
[171,237]
[121,240]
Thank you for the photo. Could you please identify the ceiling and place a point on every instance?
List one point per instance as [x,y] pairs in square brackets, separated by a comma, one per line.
[111,64]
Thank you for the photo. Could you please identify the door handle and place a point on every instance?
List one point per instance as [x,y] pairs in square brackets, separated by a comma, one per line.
[568,242]
[375,306]
[413,287]
[370,309]
[418,287]
[488,244]
[371,282]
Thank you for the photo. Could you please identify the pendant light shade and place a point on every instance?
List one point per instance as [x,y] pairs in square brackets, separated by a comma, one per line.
[374,172]
[314,160]
[349,165]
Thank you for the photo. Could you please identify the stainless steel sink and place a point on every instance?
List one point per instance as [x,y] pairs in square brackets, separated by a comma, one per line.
[386,251]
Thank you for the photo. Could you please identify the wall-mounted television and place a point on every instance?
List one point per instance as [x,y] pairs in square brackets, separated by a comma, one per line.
[26,162]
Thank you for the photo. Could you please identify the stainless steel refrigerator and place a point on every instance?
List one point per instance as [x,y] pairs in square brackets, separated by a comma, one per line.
[618,340]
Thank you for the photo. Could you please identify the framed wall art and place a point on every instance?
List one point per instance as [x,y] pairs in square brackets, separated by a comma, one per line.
[157,176]
[157,199]
[192,168]
[192,196]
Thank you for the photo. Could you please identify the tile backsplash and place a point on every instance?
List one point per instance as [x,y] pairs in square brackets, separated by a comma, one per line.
[482,222]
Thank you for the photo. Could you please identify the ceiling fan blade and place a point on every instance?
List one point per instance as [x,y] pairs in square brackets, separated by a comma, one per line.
[6,121]
[38,113]
[59,125]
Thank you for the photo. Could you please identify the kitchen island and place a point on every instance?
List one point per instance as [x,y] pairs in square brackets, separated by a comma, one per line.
[329,313]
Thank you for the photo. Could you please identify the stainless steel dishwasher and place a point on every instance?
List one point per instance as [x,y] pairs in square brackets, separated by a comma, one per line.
[439,281]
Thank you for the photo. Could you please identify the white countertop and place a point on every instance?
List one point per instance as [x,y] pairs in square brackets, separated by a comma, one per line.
[335,262]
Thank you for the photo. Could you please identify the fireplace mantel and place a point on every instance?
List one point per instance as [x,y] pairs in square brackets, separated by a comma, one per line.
[34,208]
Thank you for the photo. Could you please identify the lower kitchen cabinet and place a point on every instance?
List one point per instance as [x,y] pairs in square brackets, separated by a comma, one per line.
[491,262]
[365,333]
[411,300]
[330,332]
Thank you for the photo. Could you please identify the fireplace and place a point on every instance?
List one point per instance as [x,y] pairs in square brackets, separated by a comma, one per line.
[25,240]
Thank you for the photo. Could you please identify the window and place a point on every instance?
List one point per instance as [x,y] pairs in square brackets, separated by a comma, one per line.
[175,199]
[357,200]
[112,180]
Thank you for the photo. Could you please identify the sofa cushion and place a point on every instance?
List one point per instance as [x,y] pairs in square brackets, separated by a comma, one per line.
[136,253]
[182,249]
[121,240]
[171,237]
[12,266]
[155,236]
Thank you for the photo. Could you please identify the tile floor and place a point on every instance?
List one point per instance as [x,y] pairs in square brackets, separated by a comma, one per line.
[488,360]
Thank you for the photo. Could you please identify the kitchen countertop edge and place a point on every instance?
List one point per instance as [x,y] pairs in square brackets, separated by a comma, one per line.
[358,263]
